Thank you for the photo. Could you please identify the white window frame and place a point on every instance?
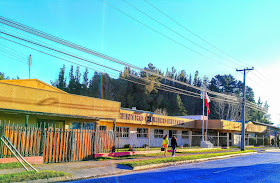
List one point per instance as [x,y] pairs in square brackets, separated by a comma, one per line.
[185,136]
[142,132]
[173,134]
[122,131]
[157,134]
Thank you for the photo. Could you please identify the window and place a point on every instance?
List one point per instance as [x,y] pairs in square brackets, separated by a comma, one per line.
[76,125]
[185,135]
[142,132]
[158,133]
[101,127]
[122,131]
[172,133]
[88,125]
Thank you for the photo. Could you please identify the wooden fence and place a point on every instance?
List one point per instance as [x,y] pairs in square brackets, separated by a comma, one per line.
[57,145]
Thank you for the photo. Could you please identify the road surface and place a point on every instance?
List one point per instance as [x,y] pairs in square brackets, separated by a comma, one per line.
[261,167]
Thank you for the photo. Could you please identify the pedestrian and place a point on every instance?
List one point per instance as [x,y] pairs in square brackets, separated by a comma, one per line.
[165,143]
[173,145]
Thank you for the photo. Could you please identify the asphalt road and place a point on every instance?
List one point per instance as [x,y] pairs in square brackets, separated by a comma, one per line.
[261,167]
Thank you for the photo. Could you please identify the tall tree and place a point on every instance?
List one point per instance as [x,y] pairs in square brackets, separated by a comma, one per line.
[61,81]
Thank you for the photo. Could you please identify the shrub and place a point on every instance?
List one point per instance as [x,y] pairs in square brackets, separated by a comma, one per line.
[145,145]
[252,141]
[126,146]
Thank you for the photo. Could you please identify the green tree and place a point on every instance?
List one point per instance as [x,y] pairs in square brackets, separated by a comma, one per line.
[60,83]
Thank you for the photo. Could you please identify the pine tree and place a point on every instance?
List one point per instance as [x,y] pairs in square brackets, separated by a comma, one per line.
[61,81]
[71,85]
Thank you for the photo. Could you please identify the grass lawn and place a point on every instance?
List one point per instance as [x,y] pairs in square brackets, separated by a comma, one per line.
[180,158]
[11,165]
[151,149]
[204,150]
[160,154]
[31,175]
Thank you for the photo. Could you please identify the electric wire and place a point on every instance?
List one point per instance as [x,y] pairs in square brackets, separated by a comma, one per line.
[12,53]
[83,49]
[168,78]
[92,62]
[15,59]
[164,89]
[204,40]
[184,37]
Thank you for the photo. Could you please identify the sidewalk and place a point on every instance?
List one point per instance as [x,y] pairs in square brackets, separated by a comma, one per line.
[88,169]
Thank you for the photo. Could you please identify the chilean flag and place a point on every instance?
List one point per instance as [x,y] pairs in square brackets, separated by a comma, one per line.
[207,100]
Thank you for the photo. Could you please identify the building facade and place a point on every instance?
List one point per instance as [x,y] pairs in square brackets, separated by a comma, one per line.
[32,102]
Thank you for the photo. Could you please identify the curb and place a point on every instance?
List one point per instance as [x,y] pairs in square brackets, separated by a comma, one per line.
[272,150]
[189,161]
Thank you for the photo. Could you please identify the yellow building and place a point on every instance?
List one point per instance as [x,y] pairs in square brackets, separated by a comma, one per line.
[32,102]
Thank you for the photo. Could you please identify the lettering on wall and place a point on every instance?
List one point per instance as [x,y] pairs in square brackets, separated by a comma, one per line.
[149,119]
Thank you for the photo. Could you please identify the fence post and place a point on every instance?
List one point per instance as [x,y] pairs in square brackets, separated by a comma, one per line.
[227,139]
[190,138]
[2,130]
[72,150]
[149,136]
[94,143]
[42,143]
[256,140]
[218,140]
[263,140]
[248,142]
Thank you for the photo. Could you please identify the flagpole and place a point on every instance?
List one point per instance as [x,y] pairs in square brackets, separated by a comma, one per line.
[203,98]
[206,135]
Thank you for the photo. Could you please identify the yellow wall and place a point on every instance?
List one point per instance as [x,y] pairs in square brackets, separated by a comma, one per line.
[230,125]
[16,97]
[19,119]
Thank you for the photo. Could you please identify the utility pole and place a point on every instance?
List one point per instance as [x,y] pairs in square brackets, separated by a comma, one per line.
[243,107]
[29,63]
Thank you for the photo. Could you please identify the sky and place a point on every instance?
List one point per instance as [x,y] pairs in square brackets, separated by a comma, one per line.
[246,30]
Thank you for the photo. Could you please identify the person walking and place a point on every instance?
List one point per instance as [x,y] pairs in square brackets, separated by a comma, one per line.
[165,143]
[173,145]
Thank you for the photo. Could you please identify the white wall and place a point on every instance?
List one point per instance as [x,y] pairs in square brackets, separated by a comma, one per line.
[135,141]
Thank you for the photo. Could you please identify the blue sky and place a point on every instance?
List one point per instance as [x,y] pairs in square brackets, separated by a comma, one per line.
[248,30]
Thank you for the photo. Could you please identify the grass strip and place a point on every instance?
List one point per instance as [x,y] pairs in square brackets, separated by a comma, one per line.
[203,150]
[31,175]
[158,154]
[151,149]
[180,158]
[11,165]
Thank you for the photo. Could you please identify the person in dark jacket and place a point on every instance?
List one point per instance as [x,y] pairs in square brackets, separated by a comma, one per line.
[173,145]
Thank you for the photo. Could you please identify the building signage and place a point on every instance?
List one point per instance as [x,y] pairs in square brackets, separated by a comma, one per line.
[149,119]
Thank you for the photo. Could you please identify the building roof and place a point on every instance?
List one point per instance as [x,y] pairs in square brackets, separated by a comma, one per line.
[35,96]
[32,83]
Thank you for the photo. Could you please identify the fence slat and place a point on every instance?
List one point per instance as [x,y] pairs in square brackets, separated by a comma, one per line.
[58,145]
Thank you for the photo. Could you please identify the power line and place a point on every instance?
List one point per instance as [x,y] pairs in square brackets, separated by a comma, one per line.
[81,49]
[11,57]
[7,49]
[204,40]
[12,53]
[164,89]
[173,40]
[180,34]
